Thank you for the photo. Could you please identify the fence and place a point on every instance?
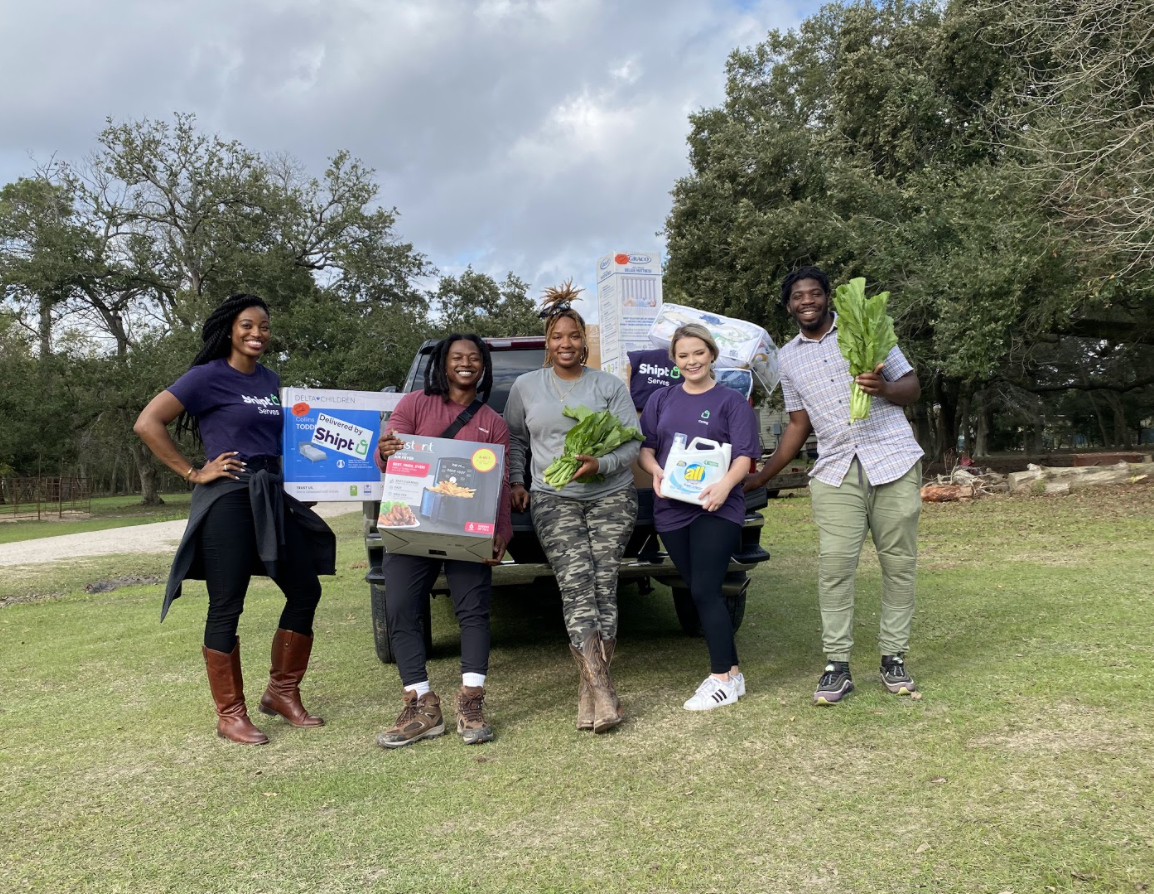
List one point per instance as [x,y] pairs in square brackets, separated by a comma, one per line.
[45,497]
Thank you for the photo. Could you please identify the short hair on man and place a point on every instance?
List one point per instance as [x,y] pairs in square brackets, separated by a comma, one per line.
[799,274]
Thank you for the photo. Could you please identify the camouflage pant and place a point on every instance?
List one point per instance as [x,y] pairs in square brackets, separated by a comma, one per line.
[584,542]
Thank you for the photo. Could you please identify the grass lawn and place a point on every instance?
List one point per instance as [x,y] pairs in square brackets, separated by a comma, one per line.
[1026,766]
[107,512]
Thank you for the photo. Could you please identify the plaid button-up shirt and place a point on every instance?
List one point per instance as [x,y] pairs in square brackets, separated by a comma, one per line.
[815,378]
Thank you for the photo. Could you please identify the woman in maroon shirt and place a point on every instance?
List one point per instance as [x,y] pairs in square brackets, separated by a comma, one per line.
[460,373]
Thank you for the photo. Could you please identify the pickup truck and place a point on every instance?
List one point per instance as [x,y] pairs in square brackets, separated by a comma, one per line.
[525,564]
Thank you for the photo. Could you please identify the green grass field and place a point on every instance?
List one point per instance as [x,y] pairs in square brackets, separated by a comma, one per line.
[106,513]
[1026,766]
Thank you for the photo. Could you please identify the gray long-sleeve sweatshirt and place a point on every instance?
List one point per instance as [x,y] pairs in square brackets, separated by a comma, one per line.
[533,414]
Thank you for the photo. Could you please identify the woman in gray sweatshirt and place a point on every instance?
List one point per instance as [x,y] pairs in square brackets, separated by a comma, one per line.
[583,528]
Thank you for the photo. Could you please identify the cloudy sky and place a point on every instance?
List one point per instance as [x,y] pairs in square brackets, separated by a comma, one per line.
[523,135]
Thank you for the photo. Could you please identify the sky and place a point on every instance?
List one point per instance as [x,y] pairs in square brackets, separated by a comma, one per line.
[531,136]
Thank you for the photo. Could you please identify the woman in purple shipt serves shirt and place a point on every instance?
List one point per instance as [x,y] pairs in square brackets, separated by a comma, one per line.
[241,521]
[701,539]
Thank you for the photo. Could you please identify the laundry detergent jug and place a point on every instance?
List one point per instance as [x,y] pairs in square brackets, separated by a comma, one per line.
[691,468]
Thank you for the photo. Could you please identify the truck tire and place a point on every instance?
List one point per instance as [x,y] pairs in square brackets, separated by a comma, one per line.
[736,585]
[381,639]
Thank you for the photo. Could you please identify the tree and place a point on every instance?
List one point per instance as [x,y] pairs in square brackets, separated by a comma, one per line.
[475,302]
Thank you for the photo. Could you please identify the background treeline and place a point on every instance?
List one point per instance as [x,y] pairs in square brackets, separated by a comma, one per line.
[990,163]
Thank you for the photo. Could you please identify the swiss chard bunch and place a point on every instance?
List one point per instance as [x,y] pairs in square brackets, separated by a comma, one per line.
[595,434]
[865,337]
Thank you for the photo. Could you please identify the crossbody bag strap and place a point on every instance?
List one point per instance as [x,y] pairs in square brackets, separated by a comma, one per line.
[461,421]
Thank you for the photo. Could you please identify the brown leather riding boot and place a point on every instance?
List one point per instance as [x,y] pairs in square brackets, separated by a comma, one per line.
[596,672]
[584,693]
[224,679]
[290,660]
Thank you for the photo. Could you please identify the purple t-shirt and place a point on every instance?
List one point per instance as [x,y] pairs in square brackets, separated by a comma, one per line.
[720,414]
[236,411]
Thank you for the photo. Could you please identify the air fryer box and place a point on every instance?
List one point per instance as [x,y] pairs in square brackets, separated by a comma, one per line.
[441,499]
[329,438]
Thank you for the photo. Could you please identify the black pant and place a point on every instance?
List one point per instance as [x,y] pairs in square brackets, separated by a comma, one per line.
[701,551]
[408,580]
[228,546]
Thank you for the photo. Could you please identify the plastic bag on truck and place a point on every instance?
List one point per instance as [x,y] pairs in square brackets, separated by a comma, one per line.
[741,345]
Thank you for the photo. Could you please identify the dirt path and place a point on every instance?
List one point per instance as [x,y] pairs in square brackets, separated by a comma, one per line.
[160,537]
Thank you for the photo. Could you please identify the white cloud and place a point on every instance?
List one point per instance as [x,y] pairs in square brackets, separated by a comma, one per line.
[524,135]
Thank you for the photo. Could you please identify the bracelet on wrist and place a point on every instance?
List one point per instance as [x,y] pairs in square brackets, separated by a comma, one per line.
[188,474]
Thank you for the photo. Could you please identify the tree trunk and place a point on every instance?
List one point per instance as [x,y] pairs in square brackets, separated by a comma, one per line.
[149,495]
[45,327]
[1121,429]
[967,430]
[946,427]
[982,432]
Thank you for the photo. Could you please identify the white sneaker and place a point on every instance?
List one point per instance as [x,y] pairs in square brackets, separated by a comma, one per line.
[713,693]
[739,680]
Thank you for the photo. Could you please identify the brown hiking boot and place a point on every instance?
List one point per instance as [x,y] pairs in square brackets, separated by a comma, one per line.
[420,719]
[471,725]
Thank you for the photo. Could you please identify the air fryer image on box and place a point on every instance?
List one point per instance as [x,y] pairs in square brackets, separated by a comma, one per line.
[441,498]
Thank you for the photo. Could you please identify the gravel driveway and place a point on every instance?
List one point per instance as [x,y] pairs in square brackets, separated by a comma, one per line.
[160,537]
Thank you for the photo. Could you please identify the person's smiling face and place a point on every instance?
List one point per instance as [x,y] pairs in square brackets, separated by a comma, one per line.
[250,333]
[464,365]
[809,306]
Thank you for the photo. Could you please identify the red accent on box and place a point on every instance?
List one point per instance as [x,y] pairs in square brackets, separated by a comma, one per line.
[478,528]
[406,467]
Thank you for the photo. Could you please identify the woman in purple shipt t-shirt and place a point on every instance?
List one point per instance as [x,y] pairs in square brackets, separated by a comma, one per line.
[701,539]
[241,521]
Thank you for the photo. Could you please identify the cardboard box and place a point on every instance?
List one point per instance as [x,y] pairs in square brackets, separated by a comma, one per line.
[329,437]
[628,301]
[741,345]
[441,499]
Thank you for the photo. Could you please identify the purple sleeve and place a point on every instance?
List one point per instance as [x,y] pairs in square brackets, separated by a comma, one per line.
[649,419]
[190,391]
[743,429]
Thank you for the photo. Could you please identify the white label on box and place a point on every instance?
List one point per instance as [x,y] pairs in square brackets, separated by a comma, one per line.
[343,436]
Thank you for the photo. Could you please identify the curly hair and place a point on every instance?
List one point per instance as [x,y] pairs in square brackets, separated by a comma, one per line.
[216,333]
[799,274]
[437,377]
[558,303]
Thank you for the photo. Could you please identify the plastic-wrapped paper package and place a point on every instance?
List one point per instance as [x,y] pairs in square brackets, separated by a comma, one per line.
[741,345]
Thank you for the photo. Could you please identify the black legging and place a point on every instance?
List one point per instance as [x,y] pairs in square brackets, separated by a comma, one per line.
[408,580]
[228,547]
[701,551]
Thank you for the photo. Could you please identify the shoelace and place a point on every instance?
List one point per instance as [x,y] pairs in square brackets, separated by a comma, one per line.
[409,712]
[896,668]
[470,708]
[829,676]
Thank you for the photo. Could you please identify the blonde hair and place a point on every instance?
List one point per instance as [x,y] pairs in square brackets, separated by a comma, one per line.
[694,330]
[557,303]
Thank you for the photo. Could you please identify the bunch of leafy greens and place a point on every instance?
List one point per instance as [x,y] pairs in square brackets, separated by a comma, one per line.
[865,337]
[595,434]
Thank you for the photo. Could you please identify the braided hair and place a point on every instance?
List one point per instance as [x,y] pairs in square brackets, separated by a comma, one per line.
[216,333]
[558,303]
[436,377]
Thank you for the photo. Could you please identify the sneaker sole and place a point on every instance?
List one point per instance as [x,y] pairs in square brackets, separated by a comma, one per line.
[430,733]
[710,707]
[900,688]
[476,737]
[831,698]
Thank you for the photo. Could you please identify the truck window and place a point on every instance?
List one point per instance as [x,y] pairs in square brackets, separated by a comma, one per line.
[507,366]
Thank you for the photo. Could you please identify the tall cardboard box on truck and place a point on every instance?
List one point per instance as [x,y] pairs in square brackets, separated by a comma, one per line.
[441,499]
[329,437]
[628,301]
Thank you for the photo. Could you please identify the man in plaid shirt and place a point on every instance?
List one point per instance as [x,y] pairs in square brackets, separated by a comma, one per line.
[867,478]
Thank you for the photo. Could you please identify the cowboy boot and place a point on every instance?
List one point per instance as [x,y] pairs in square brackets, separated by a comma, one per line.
[608,646]
[605,714]
[290,660]
[224,679]
[584,693]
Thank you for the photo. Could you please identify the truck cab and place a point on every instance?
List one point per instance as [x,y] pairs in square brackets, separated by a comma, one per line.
[645,561]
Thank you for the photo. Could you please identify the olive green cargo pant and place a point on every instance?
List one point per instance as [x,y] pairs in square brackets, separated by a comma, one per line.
[844,515]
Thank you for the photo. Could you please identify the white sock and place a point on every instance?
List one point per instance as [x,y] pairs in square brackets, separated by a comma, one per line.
[472,679]
[421,688]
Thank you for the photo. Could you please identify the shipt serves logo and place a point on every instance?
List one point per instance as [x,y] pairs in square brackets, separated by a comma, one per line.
[342,436]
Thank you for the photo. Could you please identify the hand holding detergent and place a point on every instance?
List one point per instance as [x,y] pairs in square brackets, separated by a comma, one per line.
[690,469]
